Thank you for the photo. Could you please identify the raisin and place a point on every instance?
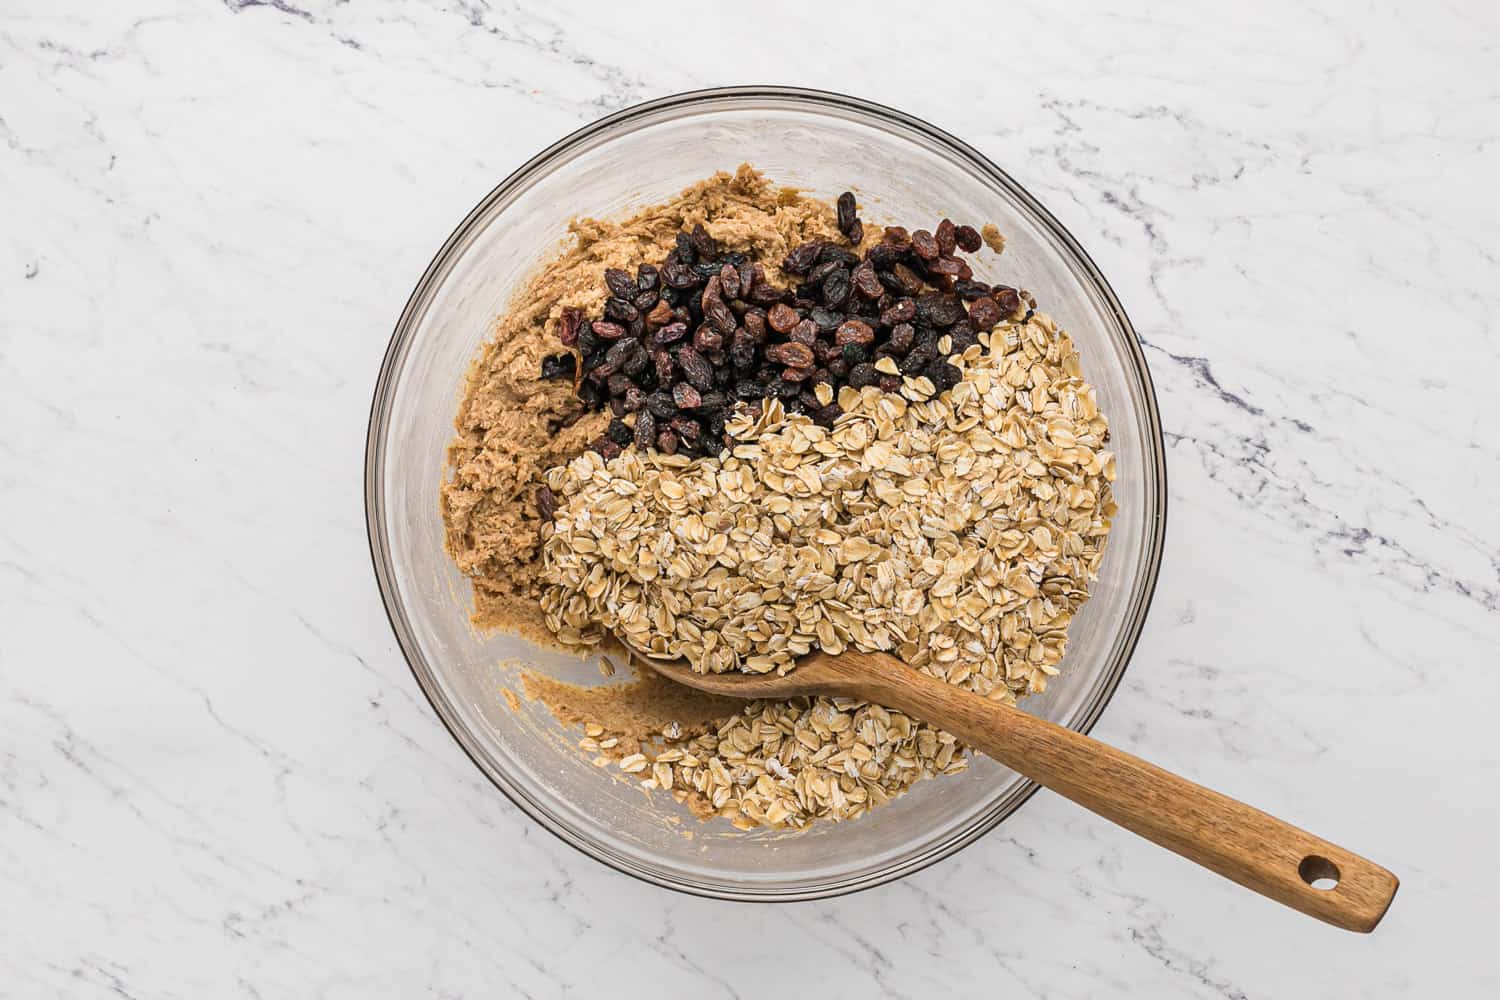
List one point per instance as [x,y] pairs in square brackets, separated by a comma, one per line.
[620,283]
[695,368]
[742,349]
[938,309]
[664,366]
[588,340]
[845,210]
[729,281]
[950,266]
[785,389]
[883,256]
[855,332]
[620,310]
[645,430]
[865,281]
[909,281]
[671,333]
[685,428]
[763,293]
[924,244]
[617,383]
[704,245]
[826,319]
[755,325]
[714,309]
[634,399]
[816,275]
[826,415]
[619,432]
[749,390]
[661,404]
[903,310]
[782,318]
[805,332]
[620,352]
[902,335]
[637,361]
[559,366]
[863,374]
[599,368]
[605,330]
[967,238]
[666,443]
[678,275]
[963,336]
[607,448]
[896,236]
[708,269]
[719,315]
[854,354]
[546,503]
[946,236]
[984,312]
[567,326]
[890,383]
[943,375]
[971,290]
[708,339]
[796,374]
[660,314]
[920,357]
[793,355]
[836,288]
[1008,300]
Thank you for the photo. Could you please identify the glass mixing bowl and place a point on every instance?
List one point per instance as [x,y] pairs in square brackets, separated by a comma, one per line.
[904,172]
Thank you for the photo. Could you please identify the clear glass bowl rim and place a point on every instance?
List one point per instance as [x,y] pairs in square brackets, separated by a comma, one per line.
[812,100]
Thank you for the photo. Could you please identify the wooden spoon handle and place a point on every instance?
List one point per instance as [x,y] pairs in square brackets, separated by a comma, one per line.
[1255,849]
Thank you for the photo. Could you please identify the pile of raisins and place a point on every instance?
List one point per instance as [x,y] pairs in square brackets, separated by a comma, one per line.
[680,344]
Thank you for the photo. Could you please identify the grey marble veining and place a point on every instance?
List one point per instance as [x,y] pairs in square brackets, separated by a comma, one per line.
[217,777]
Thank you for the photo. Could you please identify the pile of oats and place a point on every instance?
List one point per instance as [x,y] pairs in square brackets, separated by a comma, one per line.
[958,532]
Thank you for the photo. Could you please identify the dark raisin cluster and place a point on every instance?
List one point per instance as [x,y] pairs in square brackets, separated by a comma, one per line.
[681,343]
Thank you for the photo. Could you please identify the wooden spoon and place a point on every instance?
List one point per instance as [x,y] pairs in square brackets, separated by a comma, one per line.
[1257,850]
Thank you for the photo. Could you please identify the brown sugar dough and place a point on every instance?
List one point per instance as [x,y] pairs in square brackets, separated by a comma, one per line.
[511,426]
[638,710]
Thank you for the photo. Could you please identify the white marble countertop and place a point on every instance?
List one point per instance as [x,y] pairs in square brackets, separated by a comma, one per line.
[218,778]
